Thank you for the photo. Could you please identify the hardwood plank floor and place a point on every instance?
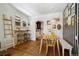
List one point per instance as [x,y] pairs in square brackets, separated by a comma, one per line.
[31,48]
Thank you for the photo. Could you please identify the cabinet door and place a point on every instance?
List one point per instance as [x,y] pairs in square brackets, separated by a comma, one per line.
[69,30]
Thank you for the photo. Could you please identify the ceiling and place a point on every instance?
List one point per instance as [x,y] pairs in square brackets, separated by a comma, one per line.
[40,8]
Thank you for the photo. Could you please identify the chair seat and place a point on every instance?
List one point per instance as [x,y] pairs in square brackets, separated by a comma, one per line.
[50,42]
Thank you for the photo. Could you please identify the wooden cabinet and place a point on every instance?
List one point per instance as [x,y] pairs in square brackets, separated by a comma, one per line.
[69,29]
[69,23]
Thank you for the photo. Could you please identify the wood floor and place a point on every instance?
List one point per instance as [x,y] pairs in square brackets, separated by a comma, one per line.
[31,48]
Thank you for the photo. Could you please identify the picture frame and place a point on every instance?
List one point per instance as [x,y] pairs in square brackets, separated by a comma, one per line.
[57,19]
[48,22]
[59,26]
[17,21]
[69,21]
[73,9]
[17,18]
[66,12]
[69,5]
[69,12]
[24,24]
[69,8]
[54,26]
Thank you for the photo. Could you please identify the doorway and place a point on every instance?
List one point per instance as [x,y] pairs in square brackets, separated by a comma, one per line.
[39,29]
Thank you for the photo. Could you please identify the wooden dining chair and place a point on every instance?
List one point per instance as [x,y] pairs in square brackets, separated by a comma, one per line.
[49,41]
[52,41]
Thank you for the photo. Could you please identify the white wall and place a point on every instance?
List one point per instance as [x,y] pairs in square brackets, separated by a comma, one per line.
[9,10]
[44,18]
[33,21]
[60,16]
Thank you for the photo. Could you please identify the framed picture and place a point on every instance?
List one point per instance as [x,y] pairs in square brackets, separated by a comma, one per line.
[58,26]
[69,8]
[73,9]
[69,5]
[73,20]
[17,18]
[48,22]
[24,24]
[69,12]
[65,13]
[56,19]
[54,26]
[69,21]
[17,21]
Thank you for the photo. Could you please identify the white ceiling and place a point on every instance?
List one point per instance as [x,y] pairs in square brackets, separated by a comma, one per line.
[40,8]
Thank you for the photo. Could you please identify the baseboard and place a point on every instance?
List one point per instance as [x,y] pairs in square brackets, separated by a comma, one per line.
[33,40]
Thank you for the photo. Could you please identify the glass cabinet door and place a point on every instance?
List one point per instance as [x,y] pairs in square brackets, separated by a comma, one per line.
[76,29]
